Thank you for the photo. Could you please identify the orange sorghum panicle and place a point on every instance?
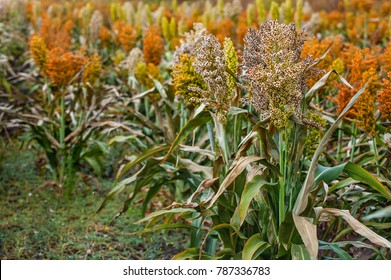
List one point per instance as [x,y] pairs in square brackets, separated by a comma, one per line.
[126,35]
[56,32]
[153,46]
[105,36]
[38,51]
[92,70]
[386,58]
[384,98]
[62,67]
[362,68]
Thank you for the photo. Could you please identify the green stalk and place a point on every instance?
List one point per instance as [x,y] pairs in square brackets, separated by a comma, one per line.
[353,142]
[62,142]
[365,43]
[146,104]
[339,147]
[210,134]
[281,198]
[183,120]
[376,155]
[235,134]
[225,143]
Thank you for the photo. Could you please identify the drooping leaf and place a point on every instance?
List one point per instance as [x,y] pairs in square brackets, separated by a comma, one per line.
[250,191]
[254,244]
[381,213]
[143,156]
[117,188]
[336,249]
[360,174]
[357,173]
[358,227]
[302,199]
[321,82]
[199,120]
[307,231]
[300,252]
[288,233]
[121,139]
[235,172]
[164,212]
[192,254]
[164,227]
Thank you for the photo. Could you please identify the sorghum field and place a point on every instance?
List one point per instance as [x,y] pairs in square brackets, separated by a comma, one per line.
[195,129]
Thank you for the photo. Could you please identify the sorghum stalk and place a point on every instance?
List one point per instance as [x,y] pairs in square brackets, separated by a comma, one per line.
[353,140]
[339,142]
[62,138]
[365,42]
[282,181]
[376,154]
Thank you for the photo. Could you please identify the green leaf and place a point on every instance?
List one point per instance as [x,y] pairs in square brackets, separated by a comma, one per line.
[226,226]
[342,183]
[236,111]
[117,188]
[160,88]
[381,213]
[336,249]
[121,139]
[164,227]
[93,162]
[300,252]
[254,244]
[357,173]
[235,172]
[328,174]
[250,191]
[192,254]
[302,199]
[148,153]
[153,190]
[199,120]
[288,233]
[164,212]
[360,174]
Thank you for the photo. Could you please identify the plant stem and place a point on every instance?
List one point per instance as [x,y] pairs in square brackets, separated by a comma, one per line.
[146,104]
[183,120]
[353,139]
[281,198]
[365,43]
[339,142]
[62,142]
[376,155]
[210,134]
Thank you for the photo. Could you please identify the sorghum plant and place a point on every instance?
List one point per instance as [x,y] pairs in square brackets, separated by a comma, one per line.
[263,199]
[64,116]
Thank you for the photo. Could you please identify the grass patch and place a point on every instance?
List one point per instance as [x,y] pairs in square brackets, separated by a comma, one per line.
[36,222]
